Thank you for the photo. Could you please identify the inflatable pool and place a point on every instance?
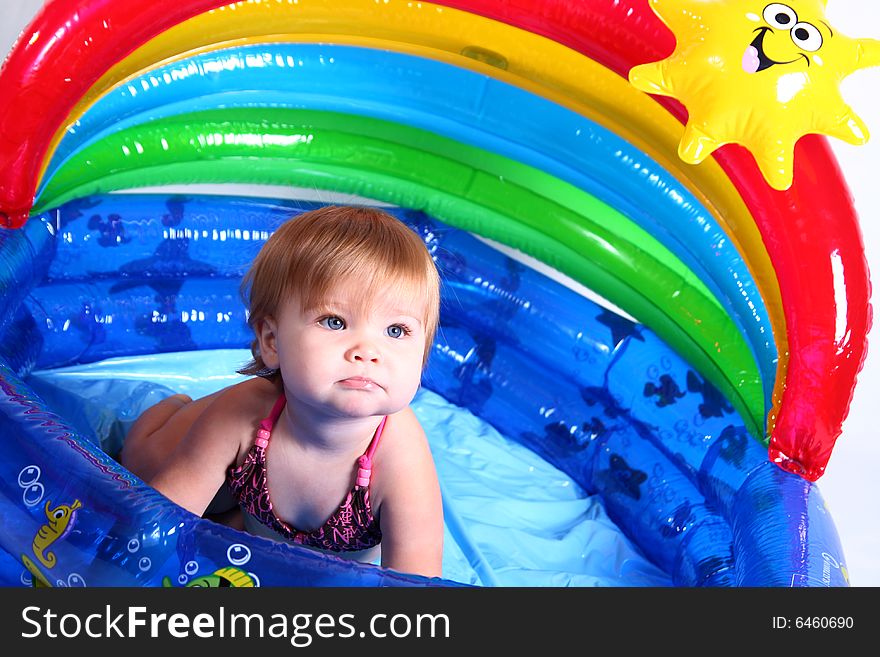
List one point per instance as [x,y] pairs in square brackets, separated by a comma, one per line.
[663,422]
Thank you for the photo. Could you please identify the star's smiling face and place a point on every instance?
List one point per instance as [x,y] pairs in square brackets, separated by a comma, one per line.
[786,36]
[757,74]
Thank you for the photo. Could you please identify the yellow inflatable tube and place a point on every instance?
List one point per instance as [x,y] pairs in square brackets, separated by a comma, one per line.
[515,56]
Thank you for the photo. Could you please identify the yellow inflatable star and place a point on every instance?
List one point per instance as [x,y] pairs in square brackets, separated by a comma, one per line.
[757,74]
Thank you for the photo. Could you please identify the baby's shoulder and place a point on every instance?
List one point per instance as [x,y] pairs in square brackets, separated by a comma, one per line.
[239,407]
[404,451]
[403,434]
[405,479]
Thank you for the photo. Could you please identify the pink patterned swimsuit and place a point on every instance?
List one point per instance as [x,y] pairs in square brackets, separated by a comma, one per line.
[351,527]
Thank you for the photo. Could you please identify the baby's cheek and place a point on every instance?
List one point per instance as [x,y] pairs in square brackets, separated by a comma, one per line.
[415,373]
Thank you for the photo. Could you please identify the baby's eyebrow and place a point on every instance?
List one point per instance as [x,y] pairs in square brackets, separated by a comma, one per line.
[830,31]
[328,306]
[404,313]
[336,306]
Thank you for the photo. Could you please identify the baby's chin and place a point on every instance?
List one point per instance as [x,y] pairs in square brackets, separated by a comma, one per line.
[362,402]
[363,408]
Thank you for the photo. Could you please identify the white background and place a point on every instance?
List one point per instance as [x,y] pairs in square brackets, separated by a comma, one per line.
[852,480]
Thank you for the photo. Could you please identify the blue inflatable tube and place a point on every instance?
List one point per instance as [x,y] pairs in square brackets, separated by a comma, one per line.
[462,105]
[593,394]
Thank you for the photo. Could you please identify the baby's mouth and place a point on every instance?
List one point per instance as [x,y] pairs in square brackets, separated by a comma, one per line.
[754,59]
[359,383]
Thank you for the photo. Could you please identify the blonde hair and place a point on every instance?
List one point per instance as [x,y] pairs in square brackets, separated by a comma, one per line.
[311,253]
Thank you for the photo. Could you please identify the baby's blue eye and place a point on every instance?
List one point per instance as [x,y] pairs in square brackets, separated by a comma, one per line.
[333,323]
[396,331]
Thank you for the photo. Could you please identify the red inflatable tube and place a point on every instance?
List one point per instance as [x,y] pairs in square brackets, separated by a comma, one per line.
[811,231]
[62,52]
[813,237]
[70,44]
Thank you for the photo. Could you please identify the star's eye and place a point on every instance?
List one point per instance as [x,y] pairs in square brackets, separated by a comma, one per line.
[397,331]
[780,16]
[332,322]
[807,37]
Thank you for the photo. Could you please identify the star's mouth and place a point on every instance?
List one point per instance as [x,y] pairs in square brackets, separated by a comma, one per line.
[755,59]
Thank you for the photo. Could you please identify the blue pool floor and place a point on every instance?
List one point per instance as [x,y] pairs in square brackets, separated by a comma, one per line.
[511,519]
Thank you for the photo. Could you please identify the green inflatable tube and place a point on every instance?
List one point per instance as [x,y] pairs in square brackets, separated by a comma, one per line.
[464,186]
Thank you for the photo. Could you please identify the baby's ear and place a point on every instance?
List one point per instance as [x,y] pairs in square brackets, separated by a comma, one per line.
[267,336]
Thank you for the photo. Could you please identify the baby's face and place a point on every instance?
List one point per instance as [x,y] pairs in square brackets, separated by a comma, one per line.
[350,358]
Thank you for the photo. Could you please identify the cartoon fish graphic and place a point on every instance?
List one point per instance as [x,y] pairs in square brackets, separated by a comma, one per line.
[221,578]
[61,521]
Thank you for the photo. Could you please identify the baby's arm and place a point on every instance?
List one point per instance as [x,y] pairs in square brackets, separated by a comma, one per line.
[411,514]
[195,470]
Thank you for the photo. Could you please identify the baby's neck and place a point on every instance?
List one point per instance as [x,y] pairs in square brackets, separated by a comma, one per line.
[334,435]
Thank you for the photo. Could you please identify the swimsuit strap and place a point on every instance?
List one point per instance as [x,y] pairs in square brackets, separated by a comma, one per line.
[365,462]
[266,424]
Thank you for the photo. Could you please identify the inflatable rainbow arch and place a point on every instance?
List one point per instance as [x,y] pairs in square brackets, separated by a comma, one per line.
[513,121]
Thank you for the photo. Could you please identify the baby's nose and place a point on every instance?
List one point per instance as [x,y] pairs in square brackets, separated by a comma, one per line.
[363,351]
